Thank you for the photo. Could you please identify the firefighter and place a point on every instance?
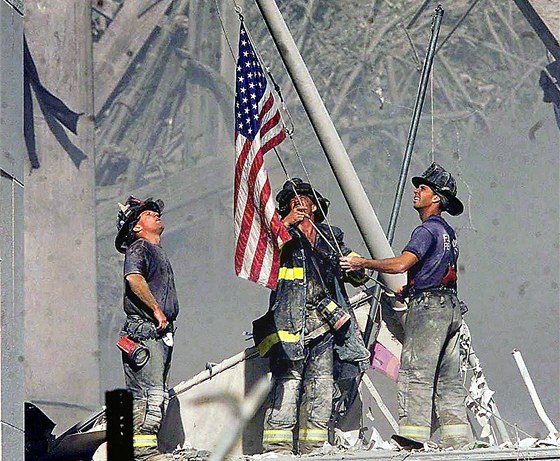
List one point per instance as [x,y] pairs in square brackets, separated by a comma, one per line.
[308,324]
[150,304]
[429,377]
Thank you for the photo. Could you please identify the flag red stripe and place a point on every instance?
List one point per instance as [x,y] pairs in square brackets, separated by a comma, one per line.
[258,229]
[265,234]
[249,212]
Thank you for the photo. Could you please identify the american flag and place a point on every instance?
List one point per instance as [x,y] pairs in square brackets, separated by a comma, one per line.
[258,129]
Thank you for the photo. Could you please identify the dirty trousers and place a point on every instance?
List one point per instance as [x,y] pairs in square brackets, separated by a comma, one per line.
[149,393]
[429,379]
[306,385]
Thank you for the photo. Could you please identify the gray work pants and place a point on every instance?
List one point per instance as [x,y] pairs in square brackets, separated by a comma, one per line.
[149,393]
[305,384]
[429,378]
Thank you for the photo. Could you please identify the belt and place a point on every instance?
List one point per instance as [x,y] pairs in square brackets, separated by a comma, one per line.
[441,290]
[140,328]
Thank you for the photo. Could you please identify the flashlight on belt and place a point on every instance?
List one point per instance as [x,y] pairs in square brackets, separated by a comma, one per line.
[137,353]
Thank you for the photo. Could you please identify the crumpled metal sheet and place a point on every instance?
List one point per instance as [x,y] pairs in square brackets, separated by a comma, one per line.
[479,398]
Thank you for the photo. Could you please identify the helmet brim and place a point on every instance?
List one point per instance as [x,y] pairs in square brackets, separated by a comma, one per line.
[455,206]
[121,240]
[288,193]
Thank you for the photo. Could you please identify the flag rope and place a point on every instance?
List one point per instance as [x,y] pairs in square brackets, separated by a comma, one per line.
[224,27]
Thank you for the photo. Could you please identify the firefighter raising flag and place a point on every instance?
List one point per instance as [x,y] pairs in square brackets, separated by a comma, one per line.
[258,129]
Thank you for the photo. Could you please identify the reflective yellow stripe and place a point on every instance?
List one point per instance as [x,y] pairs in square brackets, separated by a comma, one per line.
[353,253]
[277,435]
[455,430]
[290,273]
[418,433]
[313,435]
[280,336]
[144,440]
[331,307]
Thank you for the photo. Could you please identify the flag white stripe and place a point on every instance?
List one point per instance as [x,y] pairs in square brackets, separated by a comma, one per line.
[257,124]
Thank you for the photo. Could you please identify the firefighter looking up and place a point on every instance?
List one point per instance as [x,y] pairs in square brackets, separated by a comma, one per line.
[308,324]
[429,377]
[150,304]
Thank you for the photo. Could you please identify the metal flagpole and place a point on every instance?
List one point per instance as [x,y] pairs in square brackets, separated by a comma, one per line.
[417,112]
[436,24]
[344,171]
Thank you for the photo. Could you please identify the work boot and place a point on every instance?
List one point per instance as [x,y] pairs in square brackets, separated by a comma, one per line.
[279,450]
[160,457]
[458,443]
[151,454]
[191,454]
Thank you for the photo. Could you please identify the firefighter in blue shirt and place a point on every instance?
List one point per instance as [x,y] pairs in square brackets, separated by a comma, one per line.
[429,378]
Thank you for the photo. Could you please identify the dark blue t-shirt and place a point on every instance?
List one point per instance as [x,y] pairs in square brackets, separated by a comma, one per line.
[435,244]
[150,261]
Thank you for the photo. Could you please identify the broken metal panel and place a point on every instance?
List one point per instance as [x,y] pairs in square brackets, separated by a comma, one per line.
[79,442]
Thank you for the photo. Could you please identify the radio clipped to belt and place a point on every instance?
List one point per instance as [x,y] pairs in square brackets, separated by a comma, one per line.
[335,316]
[137,353]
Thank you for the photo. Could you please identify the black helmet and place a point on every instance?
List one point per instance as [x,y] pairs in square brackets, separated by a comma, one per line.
[296,185]
[444,185]
[129,214]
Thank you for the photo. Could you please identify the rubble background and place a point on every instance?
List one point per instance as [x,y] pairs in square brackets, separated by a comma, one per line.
[167,132]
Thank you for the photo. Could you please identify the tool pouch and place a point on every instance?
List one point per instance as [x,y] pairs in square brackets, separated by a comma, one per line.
[333,314]
[139,329]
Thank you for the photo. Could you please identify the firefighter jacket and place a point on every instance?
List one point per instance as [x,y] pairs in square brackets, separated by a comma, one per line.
[280,332]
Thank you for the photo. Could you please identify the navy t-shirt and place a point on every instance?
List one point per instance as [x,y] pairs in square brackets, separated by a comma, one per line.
[435,245]
[150,261]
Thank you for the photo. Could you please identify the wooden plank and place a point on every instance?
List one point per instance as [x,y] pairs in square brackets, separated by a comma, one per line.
[121,42]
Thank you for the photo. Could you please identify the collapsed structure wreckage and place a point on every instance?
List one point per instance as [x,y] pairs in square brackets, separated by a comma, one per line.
[245,368]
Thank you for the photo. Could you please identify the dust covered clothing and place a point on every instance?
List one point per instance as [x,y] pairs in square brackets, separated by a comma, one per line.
[150,261]
[429,377]
[435,245]
[148,384]
[302,347]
